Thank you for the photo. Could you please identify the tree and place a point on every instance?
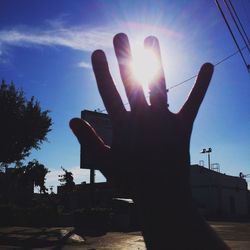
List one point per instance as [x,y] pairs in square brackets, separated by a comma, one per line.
[67,180]
[37,172]
[17,184]
[23,124]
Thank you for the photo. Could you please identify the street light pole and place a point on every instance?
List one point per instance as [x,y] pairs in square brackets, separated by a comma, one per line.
[207,151]
[208,159]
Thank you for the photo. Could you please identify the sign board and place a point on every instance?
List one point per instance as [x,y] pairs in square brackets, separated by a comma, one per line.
[102,125]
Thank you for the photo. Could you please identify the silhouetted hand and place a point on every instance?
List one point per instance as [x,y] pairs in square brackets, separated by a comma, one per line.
[150,143]
[149,156]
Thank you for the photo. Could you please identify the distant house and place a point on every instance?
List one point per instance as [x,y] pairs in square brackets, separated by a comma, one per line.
[217,194]
[87,195]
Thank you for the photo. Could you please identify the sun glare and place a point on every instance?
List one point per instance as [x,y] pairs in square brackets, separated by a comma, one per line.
[145,65]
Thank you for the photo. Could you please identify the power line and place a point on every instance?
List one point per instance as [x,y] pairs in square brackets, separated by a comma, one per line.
[243,7]
[243,36]
[226,58]
[192,77]
[178,84]
[237,17]
[247,43]
[216,64]
[231,32]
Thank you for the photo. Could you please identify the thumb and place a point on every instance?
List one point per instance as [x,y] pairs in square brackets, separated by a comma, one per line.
[86,135]
[94,146]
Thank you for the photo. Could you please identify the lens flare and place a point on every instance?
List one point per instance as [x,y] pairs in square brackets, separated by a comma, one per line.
[145,65]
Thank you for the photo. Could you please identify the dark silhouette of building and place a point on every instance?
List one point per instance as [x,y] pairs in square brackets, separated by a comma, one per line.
[217,194]
[15,188]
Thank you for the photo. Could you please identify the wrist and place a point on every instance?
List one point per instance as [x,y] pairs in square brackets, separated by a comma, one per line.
[167,194]
[176,225]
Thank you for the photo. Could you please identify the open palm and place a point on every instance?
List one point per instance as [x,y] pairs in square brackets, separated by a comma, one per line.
[150,143]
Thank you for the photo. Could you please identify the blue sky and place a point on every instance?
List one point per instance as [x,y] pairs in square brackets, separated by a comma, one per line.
[45,48]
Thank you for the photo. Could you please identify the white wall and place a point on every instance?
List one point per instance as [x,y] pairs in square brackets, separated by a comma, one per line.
[218,194]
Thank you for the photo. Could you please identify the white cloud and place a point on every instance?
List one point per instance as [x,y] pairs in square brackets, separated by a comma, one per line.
[78,38]
[3,56]
[59,21]
[56,32]
[80,175]
[84,65]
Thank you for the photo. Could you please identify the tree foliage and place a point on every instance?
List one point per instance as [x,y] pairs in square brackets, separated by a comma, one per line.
[67,180]
[23,124]
[17,184]
[37,172]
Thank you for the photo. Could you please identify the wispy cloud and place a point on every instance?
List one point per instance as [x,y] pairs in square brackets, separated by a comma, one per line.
[84,65]
[4,59]
[78,38]
[56,32]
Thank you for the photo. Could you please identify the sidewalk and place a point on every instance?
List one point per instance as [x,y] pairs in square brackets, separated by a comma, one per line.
[33,238]
[236,235]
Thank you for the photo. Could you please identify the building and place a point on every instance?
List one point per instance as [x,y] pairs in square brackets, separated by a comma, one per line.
[15,187]
[219,195]
[215,194]
[87,195]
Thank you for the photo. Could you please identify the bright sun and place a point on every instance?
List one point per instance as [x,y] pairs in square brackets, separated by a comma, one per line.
[145,65]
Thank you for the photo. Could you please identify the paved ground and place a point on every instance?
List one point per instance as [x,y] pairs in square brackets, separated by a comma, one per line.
[237,236]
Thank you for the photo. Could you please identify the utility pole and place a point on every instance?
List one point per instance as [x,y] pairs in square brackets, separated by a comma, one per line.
[207,151]
[92,176]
